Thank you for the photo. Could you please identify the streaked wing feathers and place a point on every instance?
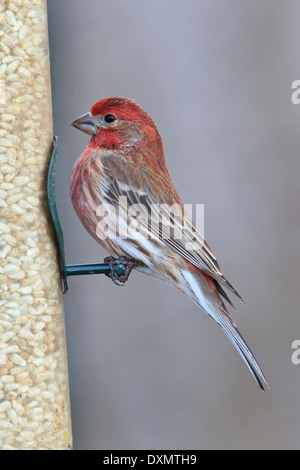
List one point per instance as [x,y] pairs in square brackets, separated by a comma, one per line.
[142,188]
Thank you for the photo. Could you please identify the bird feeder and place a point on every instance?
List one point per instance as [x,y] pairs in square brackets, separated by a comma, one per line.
[34,390]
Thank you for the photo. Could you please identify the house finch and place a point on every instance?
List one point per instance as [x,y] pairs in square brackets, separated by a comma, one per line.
[123,167]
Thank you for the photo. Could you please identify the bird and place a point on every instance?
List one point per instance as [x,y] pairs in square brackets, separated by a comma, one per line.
[124,168]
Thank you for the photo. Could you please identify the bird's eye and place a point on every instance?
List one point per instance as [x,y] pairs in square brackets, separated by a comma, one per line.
[109,118]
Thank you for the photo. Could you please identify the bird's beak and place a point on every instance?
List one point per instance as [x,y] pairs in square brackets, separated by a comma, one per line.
[86,123]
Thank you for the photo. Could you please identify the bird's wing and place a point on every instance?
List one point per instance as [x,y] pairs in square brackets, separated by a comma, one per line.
[127,184]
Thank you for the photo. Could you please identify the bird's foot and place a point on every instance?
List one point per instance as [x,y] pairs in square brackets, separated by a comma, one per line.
[120,268]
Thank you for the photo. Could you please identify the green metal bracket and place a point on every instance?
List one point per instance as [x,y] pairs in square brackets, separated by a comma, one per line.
[73,269]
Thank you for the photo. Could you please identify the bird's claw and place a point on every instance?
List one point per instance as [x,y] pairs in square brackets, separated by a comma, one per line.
[120,268]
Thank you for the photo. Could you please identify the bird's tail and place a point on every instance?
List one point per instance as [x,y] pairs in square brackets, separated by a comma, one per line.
[204,292]
[239,343]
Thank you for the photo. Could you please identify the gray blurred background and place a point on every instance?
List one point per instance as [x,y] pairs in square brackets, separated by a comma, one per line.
[148,369]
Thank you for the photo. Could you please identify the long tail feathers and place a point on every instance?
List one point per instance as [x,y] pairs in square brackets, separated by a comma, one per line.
[209,299]
[239,343]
